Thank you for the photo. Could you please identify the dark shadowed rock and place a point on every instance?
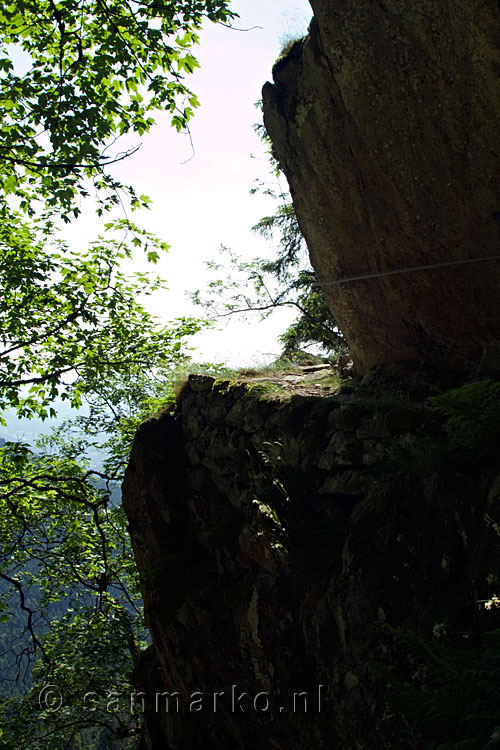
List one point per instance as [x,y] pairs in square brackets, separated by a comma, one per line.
[277,553]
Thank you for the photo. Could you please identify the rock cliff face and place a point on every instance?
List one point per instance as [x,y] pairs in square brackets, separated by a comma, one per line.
[385,122]
[280,538]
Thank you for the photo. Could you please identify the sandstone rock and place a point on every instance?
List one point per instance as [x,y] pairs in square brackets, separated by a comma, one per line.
[385,122]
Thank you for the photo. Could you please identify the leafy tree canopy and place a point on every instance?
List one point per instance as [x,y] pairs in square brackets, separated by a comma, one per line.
[87,72]
[75,76]
[97,69]
[69,319]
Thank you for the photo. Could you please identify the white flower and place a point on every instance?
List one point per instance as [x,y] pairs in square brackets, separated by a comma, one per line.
[439,629]
[493,603]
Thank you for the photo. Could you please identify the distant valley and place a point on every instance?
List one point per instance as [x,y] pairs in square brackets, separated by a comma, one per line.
[28,430]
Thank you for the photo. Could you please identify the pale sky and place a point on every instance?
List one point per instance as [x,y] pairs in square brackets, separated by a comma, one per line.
[199,205]
[206,202]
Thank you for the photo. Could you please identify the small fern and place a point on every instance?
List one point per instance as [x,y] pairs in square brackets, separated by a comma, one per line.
[467,441]
[460,706]
[473,425]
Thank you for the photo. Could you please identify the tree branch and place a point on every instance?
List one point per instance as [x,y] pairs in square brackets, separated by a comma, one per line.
[69,165]
[17,584]
[69,319]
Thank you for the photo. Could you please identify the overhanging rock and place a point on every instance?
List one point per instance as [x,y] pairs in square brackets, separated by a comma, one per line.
[385,120]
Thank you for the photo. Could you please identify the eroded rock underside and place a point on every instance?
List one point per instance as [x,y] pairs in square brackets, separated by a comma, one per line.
[385,120]
[279,541]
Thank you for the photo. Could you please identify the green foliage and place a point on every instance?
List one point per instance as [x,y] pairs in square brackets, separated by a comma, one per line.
[457,706]
[261,286]
[96,71]
[288,42]
[266,389]
[74,77]
[315,323]
[116,407]
[69,570]
[68,320]
[310,543]
[283,224]
[465,441]
[54,513]
[474,421]
[70,697]
[458,710]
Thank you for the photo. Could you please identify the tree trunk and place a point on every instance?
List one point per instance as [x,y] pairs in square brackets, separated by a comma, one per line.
[385,120]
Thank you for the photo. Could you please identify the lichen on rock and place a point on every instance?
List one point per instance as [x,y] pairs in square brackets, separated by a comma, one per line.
[385,123]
